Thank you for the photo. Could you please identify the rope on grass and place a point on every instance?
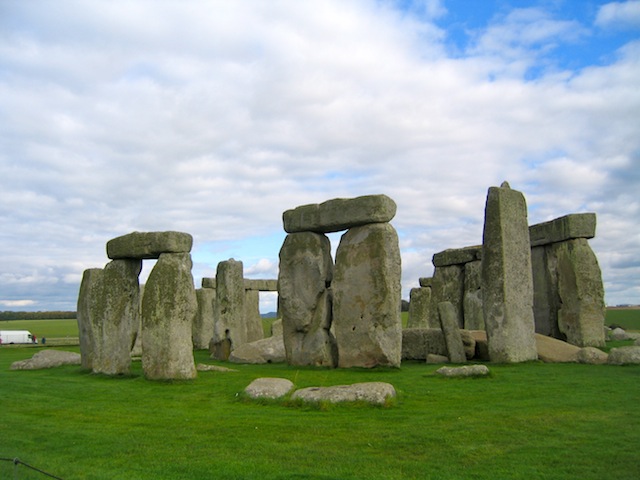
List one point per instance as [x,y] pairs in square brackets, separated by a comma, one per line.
[17,461]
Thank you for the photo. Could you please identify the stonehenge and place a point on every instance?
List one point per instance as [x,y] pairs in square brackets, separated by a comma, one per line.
[491,301]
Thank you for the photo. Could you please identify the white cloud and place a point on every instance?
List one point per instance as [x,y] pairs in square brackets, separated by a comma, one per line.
[619,15]
[215,117]
[17,303]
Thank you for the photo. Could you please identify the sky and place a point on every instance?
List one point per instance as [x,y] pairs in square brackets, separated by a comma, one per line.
[214,117]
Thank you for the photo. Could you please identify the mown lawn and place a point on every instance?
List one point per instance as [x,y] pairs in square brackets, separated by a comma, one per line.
[529,421]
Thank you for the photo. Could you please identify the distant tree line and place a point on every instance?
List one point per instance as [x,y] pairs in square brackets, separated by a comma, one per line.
[8,315]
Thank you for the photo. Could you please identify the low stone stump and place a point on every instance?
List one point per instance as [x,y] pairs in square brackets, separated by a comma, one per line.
[624,355]
[465,371]
[47,359]
[203,367]
[592,356]
[618,334]
[435,358]
[268,387]
[376,393]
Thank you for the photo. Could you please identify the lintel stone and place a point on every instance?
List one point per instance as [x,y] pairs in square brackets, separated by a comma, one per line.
[339,214]
[457,256]
[568,227]
[261,285]
[141,245]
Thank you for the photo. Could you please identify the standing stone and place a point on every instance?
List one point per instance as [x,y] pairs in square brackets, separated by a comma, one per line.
[546,300]
[582,309]
[447,286]
[108,316]
[367,297]
[252,316]
[121,294]
[452,337]
[136,350]
[230,328]
[507,285]
[90,316]
[472,300]
[419,303]
[306,271]
[202,331]
[169,307]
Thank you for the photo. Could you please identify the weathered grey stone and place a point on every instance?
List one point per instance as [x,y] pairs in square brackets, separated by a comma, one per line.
[546,301]
[425,281]
[449,321]
[435,358]
[592,355]
[267,350]
[202,367]
[121,296]
[464,371]
[261,285]
[339,214]
[136,350]
[618,334]
[47,359]
[108,316]
[414,344]
[252,317]
[552,350]
[269,388]
[419,304]
[367,297]
[209,282]
[457,256]
[624,355]
[90,316]
[472,297]
[447,286]
[582,311]
[507,285]
[377,393]
[169,307]
[202,331]
[305,273]
[143,245]
[576,225]
[230,328]
[469,343]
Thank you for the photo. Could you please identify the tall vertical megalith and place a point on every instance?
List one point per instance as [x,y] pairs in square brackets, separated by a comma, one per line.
[202,331]
[507,284]
[305,274]
[169,307]
[109,316]
[229,330]
[367,297]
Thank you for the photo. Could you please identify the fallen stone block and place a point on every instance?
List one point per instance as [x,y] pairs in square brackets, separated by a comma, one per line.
[592,356]
[268,387]
[465,371]
[203,367]
[435,358]
[47,359]
[552,350]
[624,355]
[375,393]
[267,350]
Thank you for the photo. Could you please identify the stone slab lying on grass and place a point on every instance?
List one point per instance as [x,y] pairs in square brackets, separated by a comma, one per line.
[552,350]
[618,334]
[47,359]
[268,387]
[435,358]
[375,393]
[464,371]
[592,356]
[624,355]
[267,350]
[203,367]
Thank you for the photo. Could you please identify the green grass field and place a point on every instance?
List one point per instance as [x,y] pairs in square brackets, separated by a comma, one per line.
[529,421]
